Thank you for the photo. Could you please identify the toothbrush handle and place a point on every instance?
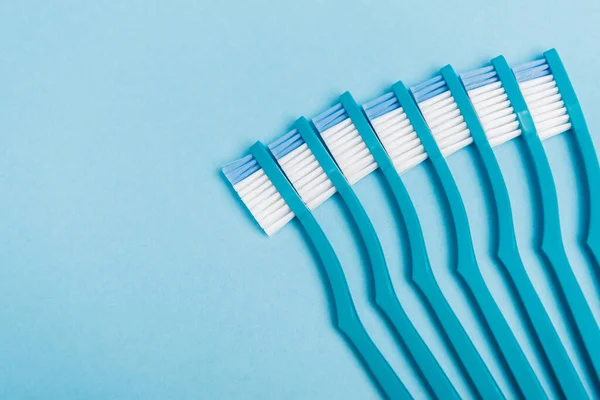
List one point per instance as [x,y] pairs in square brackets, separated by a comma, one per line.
[471,274]
[592,172]
[424,279]
[387,301]
[561,364]
[552,245]
[345,313]
[385,295]
[553,249]
[464,348]
[585,147]
[508,252]
[347,317]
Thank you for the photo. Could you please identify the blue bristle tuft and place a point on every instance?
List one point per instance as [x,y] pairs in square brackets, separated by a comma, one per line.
[286,144]
[239,170]
[531,70]
[381,105]
[479,77]
[330,118]
[429,89]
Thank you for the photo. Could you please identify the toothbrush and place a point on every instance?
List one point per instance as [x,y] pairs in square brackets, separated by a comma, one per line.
[491,120]
[272,201]
[314,174]
[443,131]
[354,146]
[529,88]
[583,140]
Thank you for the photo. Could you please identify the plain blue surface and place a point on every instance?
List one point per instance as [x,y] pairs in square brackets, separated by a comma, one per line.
[128,269]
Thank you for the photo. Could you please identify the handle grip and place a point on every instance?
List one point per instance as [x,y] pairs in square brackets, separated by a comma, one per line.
[585,146]
[468,268]
[346,316]
[552,245]
[385,295]
[421,273]
[508,253]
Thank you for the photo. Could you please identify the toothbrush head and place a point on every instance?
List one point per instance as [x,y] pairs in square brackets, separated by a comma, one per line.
[302,169]
[543,98]
[395,132]
[491,104]
[442,115]
[345,143]
[258,194]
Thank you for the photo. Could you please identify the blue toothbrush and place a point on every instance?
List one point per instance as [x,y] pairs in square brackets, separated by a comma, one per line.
[443,131]
[312,171]
[347,117]
[585,147]
[492,121]
[271,199]
[522,83]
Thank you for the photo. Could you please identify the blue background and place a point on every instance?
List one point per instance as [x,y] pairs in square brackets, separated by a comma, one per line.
[127,267]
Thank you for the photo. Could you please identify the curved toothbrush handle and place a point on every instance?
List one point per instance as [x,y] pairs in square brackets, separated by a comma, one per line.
[382,282]
[420,262]
[508,252]
[552,245]
[561,364]
[553,249]
[592,172]
[466,262]
[387,300]
[346,316]
[424,279]
[465,350]
[585,147]
[385,295]
[422,274]
[507,239]
[469,271]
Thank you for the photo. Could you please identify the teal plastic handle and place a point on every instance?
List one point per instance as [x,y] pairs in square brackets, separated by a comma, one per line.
[552,244]
[466,262]
[585,147]
[346,316]
[562,369]
[385,296]
[480,377]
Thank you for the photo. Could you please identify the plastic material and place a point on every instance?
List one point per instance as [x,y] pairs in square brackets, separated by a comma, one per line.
[506,244]
[466,262]
[422,275]
[552,246]
[385,296]
[346,316]
[585,147]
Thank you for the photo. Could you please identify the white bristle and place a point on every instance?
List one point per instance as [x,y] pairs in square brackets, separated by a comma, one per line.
[446,123]
[495,113]
[307,176]
[264,202]
[399,139]
[349,151]
[546,106]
